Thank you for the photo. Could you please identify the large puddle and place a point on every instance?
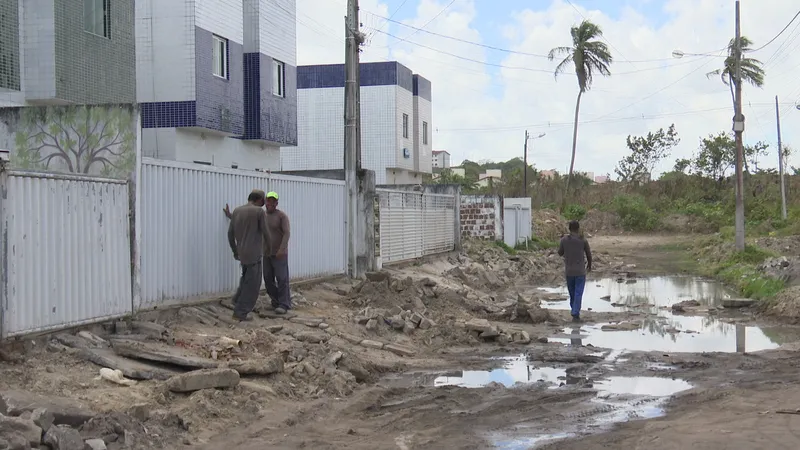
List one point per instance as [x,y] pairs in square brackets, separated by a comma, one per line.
[650,300]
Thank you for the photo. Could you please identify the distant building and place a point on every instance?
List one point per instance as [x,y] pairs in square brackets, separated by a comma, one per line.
[440,159]
[549,174]
[459,171]
[490,176]
[396,122]
[600,179]
[589,175]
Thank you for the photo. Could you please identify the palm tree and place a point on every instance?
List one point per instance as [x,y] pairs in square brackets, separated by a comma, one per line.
[752,69]
[589,56]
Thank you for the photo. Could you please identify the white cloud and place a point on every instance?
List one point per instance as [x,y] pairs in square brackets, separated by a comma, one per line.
[471,97]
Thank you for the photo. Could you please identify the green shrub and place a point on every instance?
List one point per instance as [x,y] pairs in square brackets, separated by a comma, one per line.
[536,243]
[574,212]
[505,247]
[634,213]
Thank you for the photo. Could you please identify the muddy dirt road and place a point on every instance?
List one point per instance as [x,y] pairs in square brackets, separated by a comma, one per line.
[470,351]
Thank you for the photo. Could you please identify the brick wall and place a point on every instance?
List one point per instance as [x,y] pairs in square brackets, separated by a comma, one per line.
[481,217]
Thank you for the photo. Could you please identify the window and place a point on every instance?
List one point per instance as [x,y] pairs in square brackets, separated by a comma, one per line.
[278,78]
[97,17]
[220,56]
[405,126]
[424,133]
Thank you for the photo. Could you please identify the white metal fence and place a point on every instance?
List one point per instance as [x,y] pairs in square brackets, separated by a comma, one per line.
[183,241]
[516,221]
[413,224]
[65,251]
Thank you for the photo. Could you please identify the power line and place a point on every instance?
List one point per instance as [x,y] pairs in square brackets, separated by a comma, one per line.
[501,49]
[432,19]
[778,35]
[527,69]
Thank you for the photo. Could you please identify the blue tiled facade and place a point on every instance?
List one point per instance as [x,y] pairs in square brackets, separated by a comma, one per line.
[422,87]
[372,74]
[220,102]
[242,105]
[269,117]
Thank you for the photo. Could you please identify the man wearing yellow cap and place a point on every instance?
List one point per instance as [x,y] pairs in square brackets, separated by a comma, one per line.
[276,262]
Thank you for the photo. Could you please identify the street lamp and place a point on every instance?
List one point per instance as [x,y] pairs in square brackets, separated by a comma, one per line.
[525,161]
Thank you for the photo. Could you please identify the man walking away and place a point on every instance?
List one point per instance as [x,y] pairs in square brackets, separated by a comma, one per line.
[276,261]
[247,234]
[577,262]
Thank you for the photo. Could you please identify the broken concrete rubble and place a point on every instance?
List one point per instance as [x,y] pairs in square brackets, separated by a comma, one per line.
[203,379]
[130,368]
[25,427]
[63,437]
[65,411]
[260,366]
[160,353]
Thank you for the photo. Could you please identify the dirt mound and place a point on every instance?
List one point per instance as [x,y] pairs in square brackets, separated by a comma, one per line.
[681,223]
[548,224]
[785,305]
[789,245]
[601,222]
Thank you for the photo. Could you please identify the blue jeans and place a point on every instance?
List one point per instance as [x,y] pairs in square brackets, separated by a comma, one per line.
[575,287]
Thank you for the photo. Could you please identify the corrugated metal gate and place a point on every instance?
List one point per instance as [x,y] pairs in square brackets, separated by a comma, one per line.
[65,251]
[184,247]
[413,224]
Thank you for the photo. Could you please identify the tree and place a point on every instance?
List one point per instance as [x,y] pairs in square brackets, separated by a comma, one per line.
[589,56]
[447,176]
[96,140]
[682,164]
[752,69]
[717,155]
[646,152]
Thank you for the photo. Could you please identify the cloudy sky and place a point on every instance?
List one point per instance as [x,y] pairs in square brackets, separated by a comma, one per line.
[485,98]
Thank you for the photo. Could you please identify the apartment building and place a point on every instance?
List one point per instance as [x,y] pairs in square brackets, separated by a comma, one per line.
[396,122]
[440,159]
[216,80]
[56,52]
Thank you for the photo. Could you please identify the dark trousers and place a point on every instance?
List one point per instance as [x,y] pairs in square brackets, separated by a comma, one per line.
[575,286]
[276,281]
[244,300]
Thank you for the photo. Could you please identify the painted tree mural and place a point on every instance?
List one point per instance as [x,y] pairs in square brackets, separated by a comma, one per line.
[92,140]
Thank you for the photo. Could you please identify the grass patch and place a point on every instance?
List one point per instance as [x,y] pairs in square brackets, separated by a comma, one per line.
[740,269]
[537,243]
[505,247]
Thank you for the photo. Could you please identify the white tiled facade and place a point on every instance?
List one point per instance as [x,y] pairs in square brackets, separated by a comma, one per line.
[190,112]
[440,160]
[395,158]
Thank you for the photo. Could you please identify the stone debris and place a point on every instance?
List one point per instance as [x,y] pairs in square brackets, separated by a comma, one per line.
[158,352]
[260,366]
[96,444]
[65,411]
[63,437]
[682,306]
[738,302]
[203,379]
[371,344]
[24,427]
[622,326]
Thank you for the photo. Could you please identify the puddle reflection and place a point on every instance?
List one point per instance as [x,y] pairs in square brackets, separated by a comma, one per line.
[661,330]
[515,370]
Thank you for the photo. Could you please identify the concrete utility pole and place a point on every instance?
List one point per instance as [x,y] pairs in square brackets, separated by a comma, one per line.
[738,129]
[525,169]
[353,39]
[780,160]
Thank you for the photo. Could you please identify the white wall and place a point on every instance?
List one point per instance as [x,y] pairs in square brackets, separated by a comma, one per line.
[425,114]
[165,72]
[221,17]
[320,130]
[405,105]
[278,30]
[190,145]
[401,176]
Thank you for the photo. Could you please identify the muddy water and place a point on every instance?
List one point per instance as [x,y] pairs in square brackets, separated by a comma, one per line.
[648,302]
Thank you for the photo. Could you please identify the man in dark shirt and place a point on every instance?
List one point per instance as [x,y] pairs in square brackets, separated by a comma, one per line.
[247,234]
[276,261]
[577,262]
